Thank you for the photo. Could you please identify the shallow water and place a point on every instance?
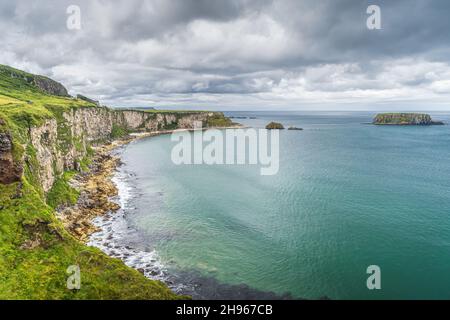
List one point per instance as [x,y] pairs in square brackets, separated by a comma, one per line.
[347,195]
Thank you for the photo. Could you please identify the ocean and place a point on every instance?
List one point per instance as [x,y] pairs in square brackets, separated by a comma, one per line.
[348,195]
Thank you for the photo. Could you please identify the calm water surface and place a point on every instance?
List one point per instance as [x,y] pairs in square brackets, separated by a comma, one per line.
[347,195]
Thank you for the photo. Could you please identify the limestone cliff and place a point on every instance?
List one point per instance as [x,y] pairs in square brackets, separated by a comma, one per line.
[62,144]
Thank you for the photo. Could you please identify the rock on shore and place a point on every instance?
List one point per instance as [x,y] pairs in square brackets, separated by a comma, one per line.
[96,189]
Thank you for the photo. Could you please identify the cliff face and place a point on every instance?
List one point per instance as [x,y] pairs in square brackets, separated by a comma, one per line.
[10,171]
[43,134]
[418,119]
[50,86]
[62,145]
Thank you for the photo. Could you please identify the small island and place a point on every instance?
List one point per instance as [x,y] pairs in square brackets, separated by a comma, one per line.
[295,128]
[405,119]
[274,126]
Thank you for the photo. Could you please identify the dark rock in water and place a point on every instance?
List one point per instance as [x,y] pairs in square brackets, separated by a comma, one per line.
[405,119]
[205,287]
[274,126]
[295,128]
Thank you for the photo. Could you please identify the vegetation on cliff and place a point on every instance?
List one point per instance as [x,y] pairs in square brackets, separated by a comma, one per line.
[404,119]
[218,120]
[35,248]
[62,194]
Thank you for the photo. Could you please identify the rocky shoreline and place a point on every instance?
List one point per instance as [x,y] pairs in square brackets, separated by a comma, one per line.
[97,188]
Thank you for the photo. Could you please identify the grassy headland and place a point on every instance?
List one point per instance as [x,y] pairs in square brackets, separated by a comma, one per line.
[35,248]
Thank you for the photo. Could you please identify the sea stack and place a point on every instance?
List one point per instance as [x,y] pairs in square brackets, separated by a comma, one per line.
[274,126]
[405,119]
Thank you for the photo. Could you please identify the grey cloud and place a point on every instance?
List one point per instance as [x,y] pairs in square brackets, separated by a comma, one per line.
[129,51]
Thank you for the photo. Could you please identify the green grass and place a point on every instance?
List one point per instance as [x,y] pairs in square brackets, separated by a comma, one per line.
[35,249]
[118,132]
[218,120]
[62,193]
[26,104]
[39,272]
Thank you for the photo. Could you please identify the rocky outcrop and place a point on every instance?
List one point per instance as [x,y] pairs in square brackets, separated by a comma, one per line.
[42,83]
[10,170]
[50,86]
[96,189]
[402,119]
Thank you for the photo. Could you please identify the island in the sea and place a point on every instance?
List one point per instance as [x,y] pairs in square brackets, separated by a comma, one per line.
[55,177]
[405,119]
[274,126]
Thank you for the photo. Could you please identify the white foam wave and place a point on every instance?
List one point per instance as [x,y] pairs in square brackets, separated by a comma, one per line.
[114,231]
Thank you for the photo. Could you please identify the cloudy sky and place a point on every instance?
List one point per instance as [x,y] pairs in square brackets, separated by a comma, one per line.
[238,54]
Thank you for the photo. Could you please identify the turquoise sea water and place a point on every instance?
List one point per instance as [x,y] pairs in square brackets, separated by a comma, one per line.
[347,195]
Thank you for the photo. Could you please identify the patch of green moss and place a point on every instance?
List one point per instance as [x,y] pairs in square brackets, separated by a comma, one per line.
[35,252]
[62,193]
[118,131]
[31,169]
[219,120]
[274,126]
[85,163]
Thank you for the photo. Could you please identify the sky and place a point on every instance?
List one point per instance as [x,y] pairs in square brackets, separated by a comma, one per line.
[237,54]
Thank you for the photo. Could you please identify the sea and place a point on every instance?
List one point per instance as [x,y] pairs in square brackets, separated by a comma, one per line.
[348,195]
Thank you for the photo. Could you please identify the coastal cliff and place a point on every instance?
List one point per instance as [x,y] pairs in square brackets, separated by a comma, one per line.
[62,143]
[46,137]
[402,119]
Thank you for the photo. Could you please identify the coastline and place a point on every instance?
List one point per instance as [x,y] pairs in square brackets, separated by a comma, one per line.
[113,235]
[96,186]
[99,205]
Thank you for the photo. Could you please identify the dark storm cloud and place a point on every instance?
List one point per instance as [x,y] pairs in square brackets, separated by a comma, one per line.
[227,52]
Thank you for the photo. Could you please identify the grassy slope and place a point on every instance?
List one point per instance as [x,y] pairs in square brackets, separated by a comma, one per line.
[35,250]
